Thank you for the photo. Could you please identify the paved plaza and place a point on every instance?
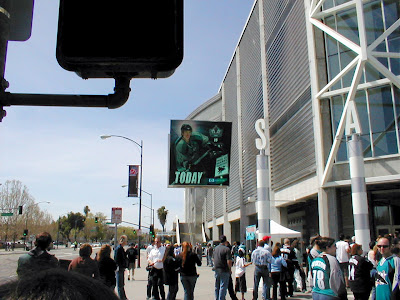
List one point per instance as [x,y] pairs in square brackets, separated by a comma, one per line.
[204,287]
[136,289]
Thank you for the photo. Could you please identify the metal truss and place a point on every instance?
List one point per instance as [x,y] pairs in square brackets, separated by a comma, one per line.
[364,54]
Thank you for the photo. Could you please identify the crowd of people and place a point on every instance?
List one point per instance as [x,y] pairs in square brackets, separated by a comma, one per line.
[332,269]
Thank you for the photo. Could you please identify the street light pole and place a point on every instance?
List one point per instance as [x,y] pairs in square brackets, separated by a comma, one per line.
[151,205]
[140,199]
[103,137]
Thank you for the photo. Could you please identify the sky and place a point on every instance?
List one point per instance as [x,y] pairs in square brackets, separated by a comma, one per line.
[57,153]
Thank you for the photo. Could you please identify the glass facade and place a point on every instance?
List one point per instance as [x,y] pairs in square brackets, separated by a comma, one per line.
[377,106]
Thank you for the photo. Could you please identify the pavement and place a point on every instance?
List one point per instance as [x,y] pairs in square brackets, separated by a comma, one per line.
[204,289]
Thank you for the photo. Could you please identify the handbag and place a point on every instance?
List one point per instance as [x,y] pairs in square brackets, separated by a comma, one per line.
[149,268]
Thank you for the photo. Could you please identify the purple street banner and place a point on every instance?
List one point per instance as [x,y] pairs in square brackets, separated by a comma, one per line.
[199,153]
[133,181]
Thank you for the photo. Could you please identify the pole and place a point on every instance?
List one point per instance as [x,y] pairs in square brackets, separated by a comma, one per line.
[26,227]
[116,236]
[76,221]
[263,201]
[152,210]
[140,199]
[58,232]
[358,191]
[4,34]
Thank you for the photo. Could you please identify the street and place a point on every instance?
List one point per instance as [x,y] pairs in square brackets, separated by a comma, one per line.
[136,289]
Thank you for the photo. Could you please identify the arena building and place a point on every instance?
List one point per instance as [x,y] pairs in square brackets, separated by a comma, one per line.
[322,77]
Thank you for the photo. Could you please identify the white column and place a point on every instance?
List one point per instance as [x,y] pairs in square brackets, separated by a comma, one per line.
[358,191]
[263,201]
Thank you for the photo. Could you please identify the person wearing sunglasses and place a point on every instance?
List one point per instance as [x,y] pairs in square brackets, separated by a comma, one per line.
[388,272]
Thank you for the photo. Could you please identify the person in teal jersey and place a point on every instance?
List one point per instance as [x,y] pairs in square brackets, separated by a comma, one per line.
[328,281]
[311,254]
[387,272]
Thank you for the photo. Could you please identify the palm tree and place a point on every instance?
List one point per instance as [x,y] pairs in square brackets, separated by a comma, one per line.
[162,216]
[86,211]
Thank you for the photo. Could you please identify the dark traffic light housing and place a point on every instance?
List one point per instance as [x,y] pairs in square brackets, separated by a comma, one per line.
[20,210]
[151,232]
[96,220]
[25,232]
[133,39]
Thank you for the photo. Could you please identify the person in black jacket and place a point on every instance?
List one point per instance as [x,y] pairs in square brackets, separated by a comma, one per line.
[107,266]
[38,259]
[188,270]
[287,273]
[131,254]
[122,263]
[171,268]
[359,274]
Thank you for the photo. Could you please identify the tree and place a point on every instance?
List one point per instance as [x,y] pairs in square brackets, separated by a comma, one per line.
[162,216]
[73,221]
[12,195]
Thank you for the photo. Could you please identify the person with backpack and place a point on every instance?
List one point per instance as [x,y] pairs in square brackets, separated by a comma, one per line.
[131,254]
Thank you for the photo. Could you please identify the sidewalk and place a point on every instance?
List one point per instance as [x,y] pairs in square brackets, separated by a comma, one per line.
[204,287]
[18,251]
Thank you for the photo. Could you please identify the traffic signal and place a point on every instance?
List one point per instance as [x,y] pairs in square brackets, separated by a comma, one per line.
[152,231]
[135,39]
[96,220]
[134,231]
[25,232]
[20,210]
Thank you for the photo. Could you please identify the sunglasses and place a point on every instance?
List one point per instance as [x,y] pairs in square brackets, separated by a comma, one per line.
[383,246]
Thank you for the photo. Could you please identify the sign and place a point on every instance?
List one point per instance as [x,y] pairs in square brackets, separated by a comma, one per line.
[261,142]
[200,153]
[133,181]
[251,232]
[7,214]
[21,14]
[116,215]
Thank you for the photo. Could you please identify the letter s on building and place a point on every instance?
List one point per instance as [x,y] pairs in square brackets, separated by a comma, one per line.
[261,143]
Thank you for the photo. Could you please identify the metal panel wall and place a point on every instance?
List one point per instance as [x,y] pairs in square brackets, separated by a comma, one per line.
[219,205]
[293,149]
[211,112]
[287,59]
[289,96]
[230,96]
[273,11]
[251,100]
[209,205]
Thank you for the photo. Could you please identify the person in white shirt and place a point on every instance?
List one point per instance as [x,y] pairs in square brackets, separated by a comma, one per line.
[149,277]
[240,273]
[342,255]
[149,248]
[155,260]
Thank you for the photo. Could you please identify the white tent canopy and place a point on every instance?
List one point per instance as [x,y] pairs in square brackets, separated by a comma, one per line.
[279,231]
